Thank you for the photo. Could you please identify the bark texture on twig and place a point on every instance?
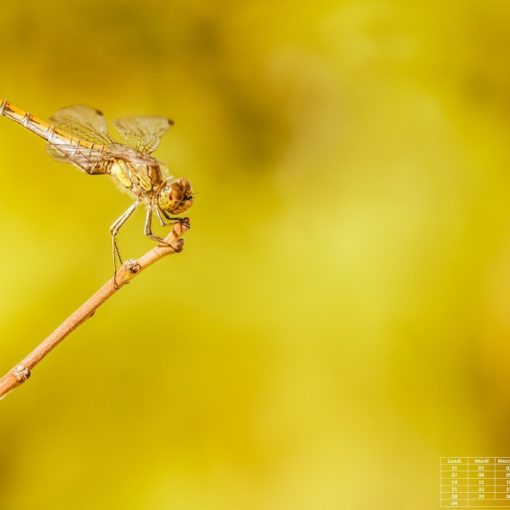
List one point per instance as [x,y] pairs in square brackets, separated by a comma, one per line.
[131,268]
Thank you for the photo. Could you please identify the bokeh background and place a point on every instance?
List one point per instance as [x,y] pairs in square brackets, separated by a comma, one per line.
[339,318]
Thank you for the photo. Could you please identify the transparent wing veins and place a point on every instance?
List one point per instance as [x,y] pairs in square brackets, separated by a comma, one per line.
[143,133]
[89,160]
[82,122]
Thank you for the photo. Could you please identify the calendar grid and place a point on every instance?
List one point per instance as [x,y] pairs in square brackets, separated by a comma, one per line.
[474,482]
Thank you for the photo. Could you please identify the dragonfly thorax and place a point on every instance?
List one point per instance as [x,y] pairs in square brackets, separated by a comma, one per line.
[176,196]
[141,178]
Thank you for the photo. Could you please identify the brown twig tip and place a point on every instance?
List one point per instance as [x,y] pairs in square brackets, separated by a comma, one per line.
[179,246]
[131,268]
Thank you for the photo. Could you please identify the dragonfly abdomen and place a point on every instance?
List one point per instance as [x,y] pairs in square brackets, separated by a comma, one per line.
[27,120]
[40,127]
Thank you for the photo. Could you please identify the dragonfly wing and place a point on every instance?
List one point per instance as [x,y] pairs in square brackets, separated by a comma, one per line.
[90,161]
[82,122]
[143,133]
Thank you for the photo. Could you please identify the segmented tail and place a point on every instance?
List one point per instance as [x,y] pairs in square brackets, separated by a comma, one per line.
[45,130]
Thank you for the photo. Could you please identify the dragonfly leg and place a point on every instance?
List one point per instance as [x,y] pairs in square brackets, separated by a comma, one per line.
[172,220]
[114,230]
[148,228]
[160,218]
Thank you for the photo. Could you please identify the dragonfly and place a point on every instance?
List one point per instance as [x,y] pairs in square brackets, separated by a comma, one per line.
[79,135]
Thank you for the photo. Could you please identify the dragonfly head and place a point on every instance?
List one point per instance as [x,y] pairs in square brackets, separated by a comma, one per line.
[176,196]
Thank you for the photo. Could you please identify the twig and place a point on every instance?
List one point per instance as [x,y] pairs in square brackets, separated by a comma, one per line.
[22,371]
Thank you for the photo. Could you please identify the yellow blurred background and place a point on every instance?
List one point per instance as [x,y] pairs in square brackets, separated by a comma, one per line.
[339,318]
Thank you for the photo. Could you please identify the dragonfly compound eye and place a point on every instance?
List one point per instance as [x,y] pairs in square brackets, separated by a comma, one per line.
[176,197]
